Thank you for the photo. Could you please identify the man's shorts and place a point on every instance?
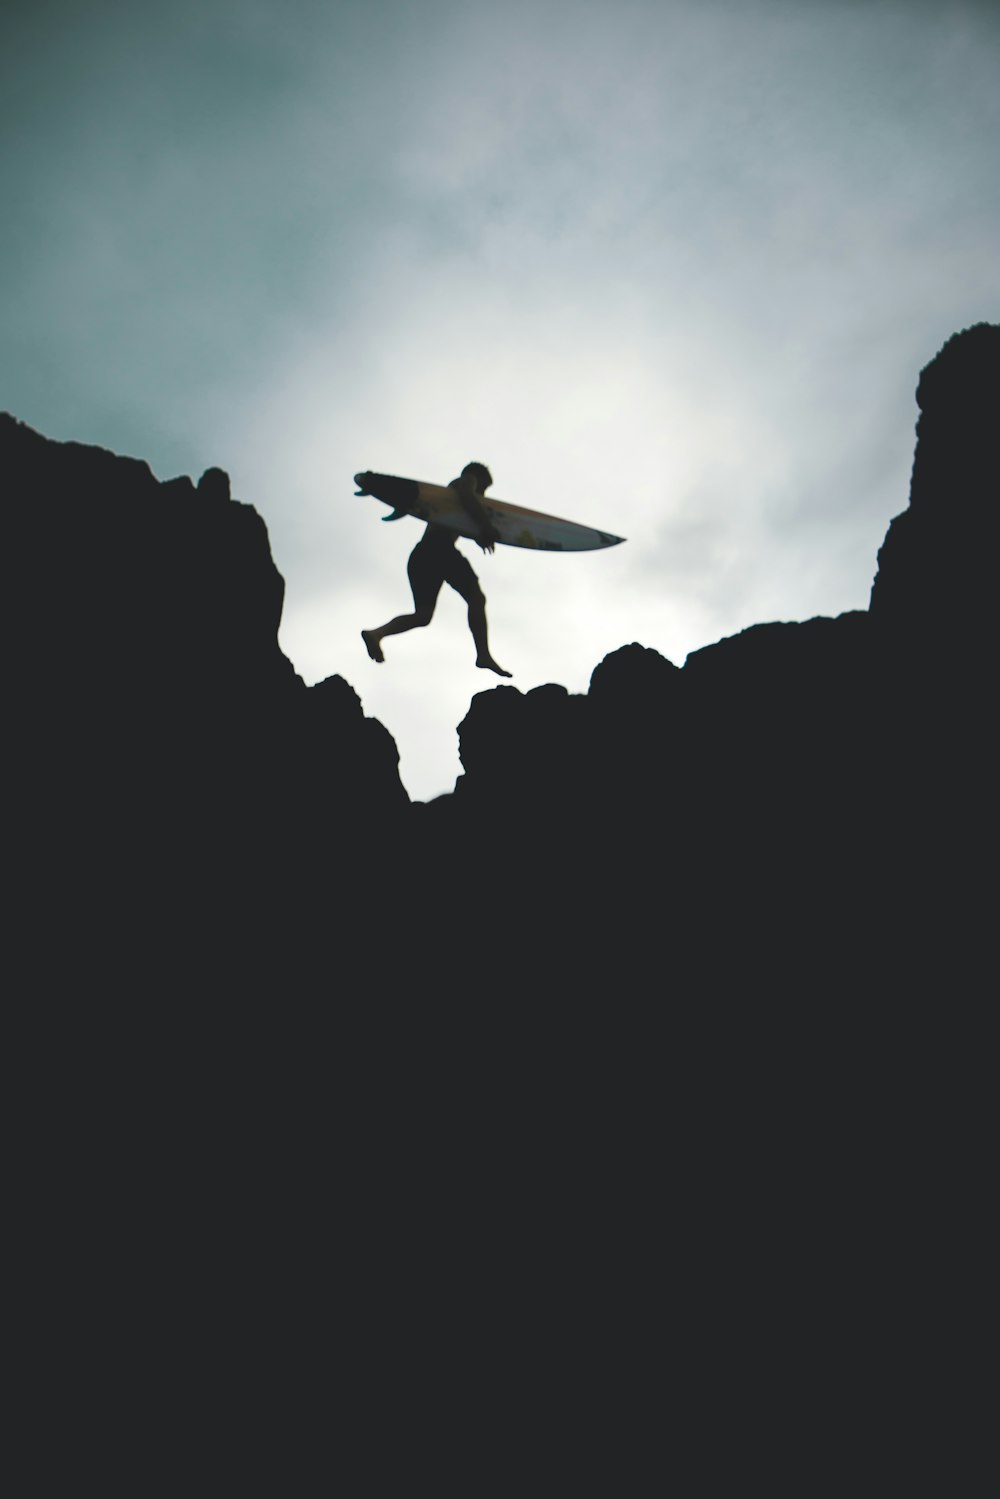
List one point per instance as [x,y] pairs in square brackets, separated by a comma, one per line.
[435,561]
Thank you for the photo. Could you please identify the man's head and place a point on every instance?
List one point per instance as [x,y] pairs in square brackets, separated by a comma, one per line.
[479,474]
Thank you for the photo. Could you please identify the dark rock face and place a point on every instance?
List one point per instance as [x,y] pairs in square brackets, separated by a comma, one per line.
[681,1004]
[811,787]
[933,597]
[817,775]
[175,770]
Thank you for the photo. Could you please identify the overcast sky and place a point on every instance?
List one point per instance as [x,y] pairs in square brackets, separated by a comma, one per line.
[670,269]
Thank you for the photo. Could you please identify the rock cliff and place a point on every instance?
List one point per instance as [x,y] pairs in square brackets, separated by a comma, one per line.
[706,1045]
[802,788]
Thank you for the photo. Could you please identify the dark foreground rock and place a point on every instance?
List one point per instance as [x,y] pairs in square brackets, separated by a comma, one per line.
[798,808]
[182,803]
[802,794]
[698,1060]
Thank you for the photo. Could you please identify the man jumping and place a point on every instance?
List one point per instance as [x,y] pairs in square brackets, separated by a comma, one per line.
[435,560]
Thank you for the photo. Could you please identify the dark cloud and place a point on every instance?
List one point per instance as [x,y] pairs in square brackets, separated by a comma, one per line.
[671,266]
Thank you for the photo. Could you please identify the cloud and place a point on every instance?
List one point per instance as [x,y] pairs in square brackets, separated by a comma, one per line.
[670,268]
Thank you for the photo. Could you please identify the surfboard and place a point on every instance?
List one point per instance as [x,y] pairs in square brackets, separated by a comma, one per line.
[517,526]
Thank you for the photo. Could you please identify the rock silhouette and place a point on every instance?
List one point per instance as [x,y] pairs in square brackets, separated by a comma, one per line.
[825,770]
[174,775]
[702,1049]
[812,786]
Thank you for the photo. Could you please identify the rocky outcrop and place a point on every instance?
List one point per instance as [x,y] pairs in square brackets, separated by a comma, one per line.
[814,773]
[682,1003]
[169,768]
[825,778]
[933,598]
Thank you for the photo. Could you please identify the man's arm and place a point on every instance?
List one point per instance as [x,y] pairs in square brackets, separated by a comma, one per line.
[472,503]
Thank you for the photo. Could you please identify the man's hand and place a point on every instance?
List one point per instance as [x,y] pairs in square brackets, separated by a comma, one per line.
[488,539]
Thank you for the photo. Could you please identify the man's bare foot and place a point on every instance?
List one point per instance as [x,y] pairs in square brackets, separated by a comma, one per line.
[488,664]
[372,643]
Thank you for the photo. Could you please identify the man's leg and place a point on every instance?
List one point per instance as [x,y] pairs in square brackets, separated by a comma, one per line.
[398,626]
[462,577]
[425,586]
[476,601]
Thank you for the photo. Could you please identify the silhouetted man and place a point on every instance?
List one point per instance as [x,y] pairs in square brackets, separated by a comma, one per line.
[435,560]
